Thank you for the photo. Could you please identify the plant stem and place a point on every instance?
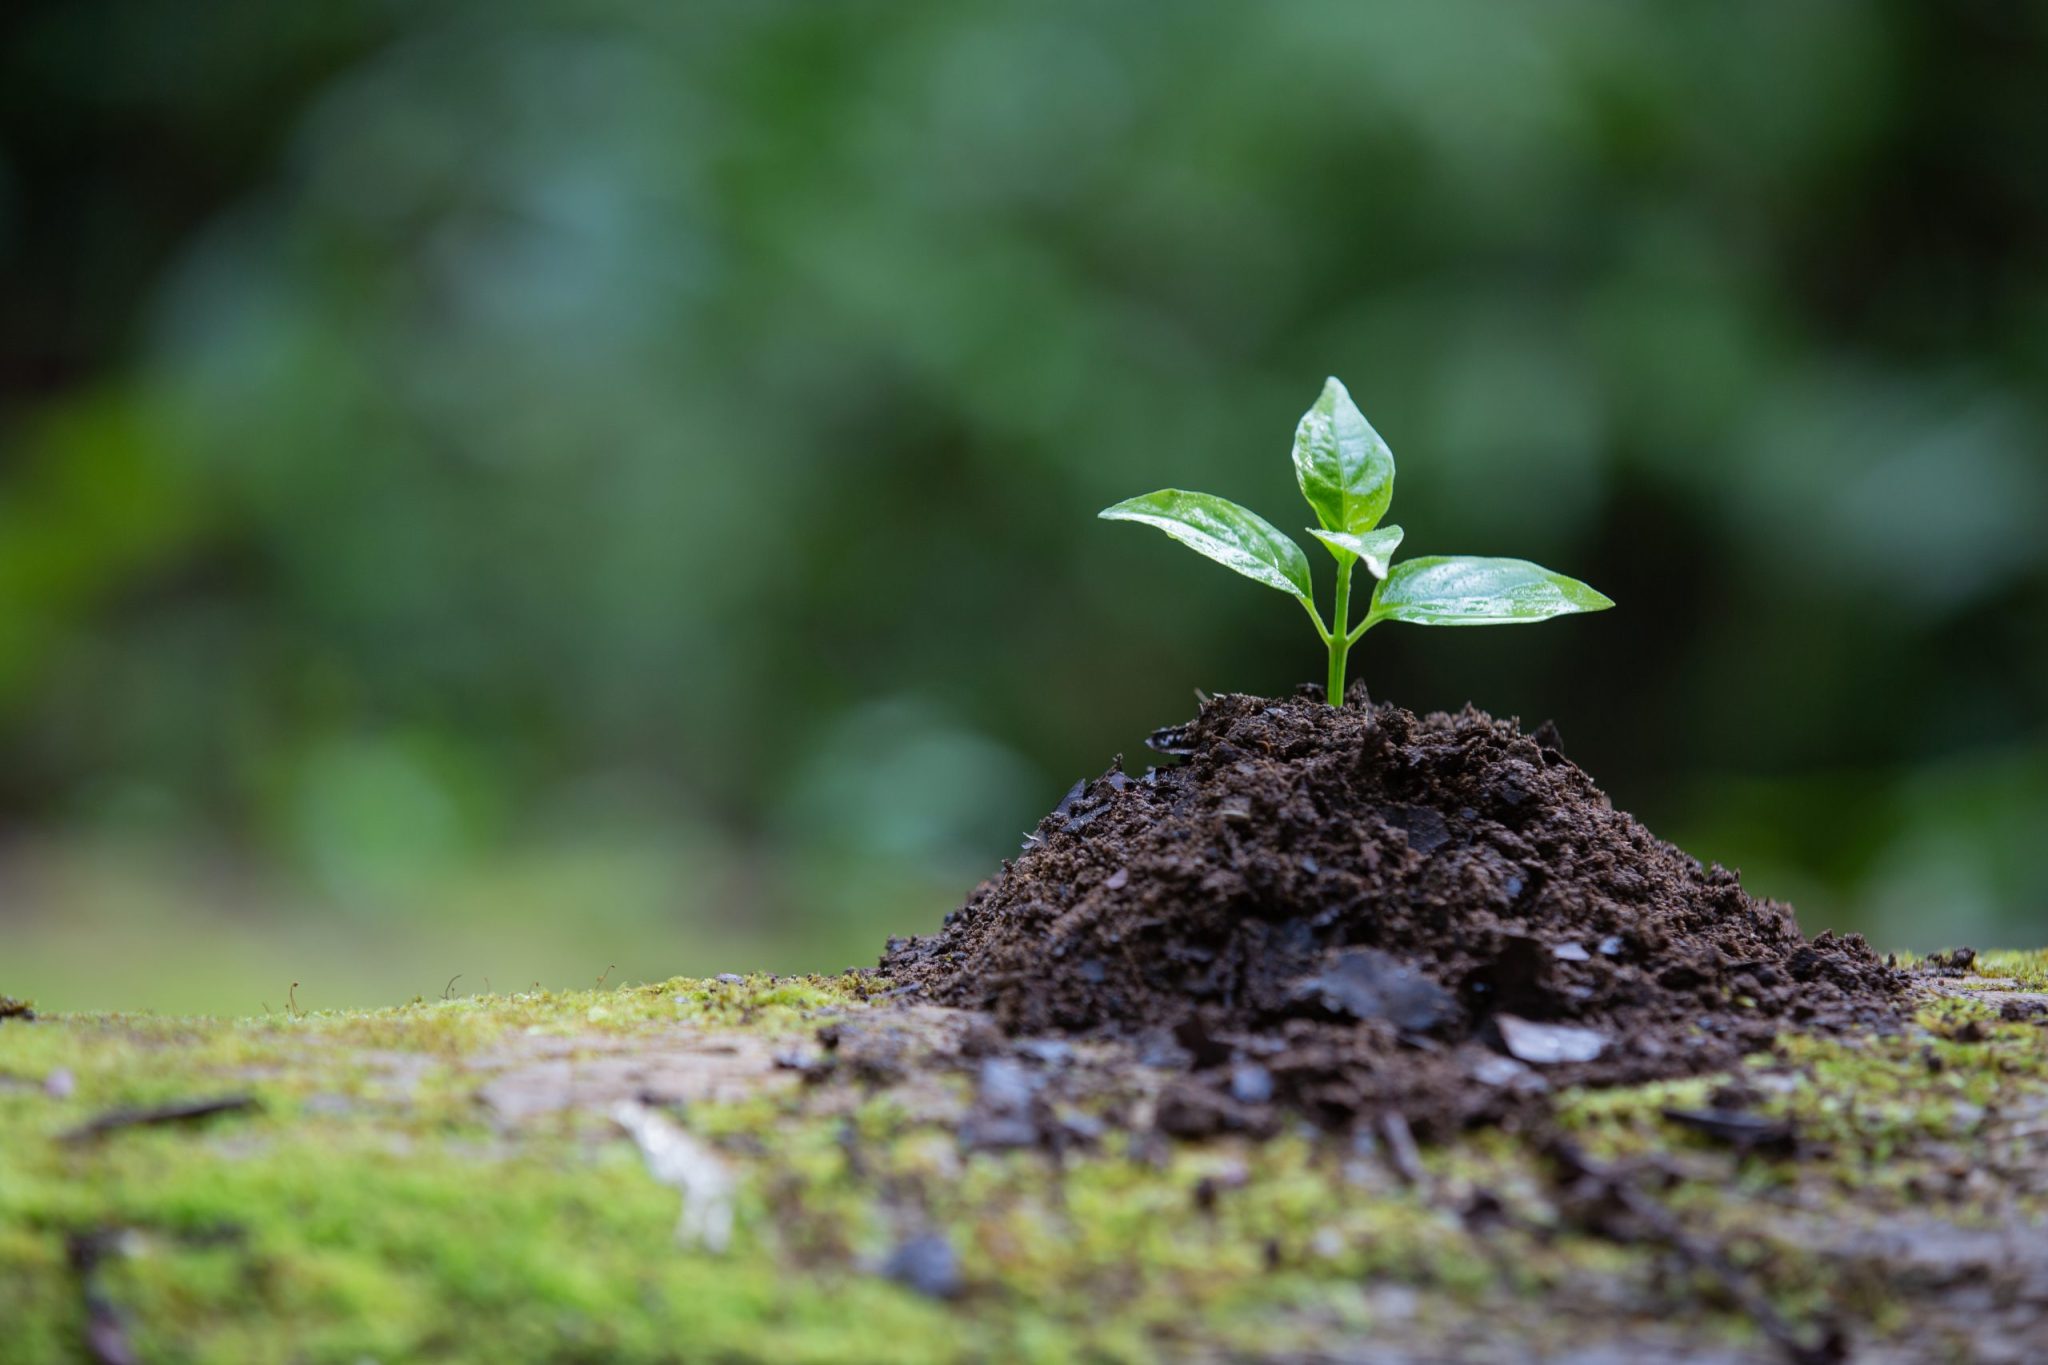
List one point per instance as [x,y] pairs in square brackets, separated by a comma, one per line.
[1322,631]
[1340,645]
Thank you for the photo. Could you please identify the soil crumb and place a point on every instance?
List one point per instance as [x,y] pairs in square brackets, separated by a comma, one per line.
[1360,913]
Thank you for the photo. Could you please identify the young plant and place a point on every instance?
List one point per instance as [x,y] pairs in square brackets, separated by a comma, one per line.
[1347,474]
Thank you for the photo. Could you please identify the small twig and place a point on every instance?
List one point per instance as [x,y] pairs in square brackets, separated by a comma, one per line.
[105,1333]
[451,984]
[1655,1223]
[1402,1152]
[1743,1131]
[184,1111]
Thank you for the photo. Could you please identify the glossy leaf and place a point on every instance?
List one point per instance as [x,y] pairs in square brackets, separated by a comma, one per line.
[1231,535]
[1345,470]
[1374,549]
[1460,590]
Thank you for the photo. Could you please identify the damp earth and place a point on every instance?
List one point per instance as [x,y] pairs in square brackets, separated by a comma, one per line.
[1349,913]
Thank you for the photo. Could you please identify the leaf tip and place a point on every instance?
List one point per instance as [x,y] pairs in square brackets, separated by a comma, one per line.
[1121,511]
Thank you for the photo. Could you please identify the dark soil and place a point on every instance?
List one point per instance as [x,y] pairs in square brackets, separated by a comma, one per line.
[1362,914]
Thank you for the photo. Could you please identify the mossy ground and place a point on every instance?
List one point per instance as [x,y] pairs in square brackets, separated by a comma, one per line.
[373,1208]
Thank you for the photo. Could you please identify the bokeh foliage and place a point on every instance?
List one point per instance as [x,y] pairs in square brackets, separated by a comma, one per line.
[433,431]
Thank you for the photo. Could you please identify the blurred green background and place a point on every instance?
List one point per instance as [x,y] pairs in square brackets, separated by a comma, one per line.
[519,489]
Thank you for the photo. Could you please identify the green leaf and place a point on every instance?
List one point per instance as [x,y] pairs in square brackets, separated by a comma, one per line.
[1460,590]
[1217,527]
[1345,470]
[1375,548]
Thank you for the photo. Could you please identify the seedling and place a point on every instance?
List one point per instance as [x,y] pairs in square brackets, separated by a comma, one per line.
[1347,474]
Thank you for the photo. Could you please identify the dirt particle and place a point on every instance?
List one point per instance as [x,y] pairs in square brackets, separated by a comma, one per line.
[1005,1113]
[1368,984]
[1250,1083]
[1547,1044]
[928,1265]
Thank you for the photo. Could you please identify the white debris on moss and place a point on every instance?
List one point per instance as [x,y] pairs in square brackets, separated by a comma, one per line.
[683,1163]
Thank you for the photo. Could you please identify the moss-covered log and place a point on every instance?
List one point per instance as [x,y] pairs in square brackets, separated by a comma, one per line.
[498,1178]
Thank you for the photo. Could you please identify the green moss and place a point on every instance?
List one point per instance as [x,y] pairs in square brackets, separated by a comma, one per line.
[371,1208]
[2028,970]
[1996,969]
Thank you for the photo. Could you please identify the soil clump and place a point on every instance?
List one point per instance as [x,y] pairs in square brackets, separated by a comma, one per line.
[1362,915]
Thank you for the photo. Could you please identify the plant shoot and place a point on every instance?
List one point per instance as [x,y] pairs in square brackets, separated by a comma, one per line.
[1346,472]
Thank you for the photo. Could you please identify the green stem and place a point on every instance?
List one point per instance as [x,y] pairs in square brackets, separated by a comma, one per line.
[1339,641]
[1322,631]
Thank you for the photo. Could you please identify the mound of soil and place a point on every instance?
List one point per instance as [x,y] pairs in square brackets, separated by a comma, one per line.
[1354,913]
